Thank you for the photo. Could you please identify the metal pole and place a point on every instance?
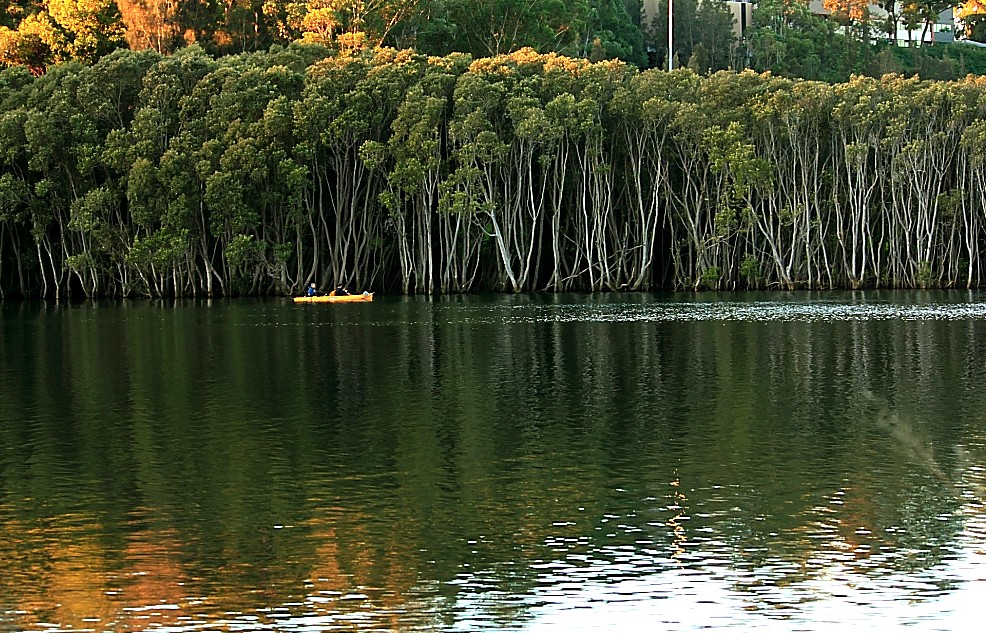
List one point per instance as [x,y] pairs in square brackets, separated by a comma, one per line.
[670,35]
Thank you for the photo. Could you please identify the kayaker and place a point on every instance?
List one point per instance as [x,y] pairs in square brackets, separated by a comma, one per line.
[341,291]
[311,291]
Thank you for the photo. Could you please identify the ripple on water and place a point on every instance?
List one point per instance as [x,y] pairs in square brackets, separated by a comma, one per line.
[504,485]
[765,311]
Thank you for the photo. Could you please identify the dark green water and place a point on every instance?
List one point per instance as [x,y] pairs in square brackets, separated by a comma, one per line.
[607,462]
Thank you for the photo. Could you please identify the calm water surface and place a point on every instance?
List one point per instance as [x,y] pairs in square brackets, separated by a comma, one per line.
[802,462]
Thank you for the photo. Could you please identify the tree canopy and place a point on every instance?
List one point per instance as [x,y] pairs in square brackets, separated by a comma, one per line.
[187,174]
[786,37]
[38,33]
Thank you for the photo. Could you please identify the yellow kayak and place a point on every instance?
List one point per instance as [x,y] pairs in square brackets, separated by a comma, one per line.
[331,298]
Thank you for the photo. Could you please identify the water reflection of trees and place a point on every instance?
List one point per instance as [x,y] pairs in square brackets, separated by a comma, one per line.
[448,452]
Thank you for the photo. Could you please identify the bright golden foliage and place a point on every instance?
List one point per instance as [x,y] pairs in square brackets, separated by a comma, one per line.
[971,7]
[853,9]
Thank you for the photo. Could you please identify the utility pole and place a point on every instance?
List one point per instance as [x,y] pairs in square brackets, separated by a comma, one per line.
[670,35]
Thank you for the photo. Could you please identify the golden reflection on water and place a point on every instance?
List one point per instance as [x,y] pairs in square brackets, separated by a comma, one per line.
[353,579]
[679,538]
[66,575]
[60,573]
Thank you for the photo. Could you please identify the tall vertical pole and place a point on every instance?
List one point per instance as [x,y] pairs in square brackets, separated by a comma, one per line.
[670,35]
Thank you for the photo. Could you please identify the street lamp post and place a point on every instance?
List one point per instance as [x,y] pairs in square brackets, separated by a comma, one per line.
[670,35]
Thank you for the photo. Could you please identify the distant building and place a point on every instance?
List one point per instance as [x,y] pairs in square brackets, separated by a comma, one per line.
[742,14]
[942,32]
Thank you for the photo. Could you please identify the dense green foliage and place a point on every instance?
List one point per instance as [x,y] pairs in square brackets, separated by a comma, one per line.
[704,38]
[789,40]
[184,175]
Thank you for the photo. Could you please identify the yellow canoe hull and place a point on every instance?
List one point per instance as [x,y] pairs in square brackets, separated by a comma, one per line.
[366,296]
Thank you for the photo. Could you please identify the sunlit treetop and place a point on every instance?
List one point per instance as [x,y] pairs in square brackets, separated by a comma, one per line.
[60,30]
[853,9]
[971,7]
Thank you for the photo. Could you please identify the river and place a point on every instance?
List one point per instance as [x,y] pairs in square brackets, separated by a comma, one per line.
[615,462]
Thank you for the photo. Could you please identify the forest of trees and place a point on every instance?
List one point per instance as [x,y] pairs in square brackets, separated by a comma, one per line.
[153,175]
[140,157]
[785,38]
[42,32]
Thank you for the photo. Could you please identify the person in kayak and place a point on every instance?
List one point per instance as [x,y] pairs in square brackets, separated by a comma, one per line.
[311,291]
[341,291]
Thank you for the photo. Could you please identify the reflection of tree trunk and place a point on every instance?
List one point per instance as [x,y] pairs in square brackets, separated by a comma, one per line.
[3,229]
[906,434]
